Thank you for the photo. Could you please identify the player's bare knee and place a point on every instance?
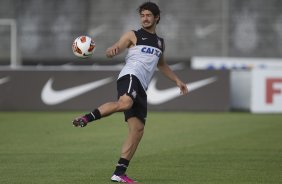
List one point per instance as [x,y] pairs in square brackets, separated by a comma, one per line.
[141,132]
[138,131]
[124,103]
[122,106]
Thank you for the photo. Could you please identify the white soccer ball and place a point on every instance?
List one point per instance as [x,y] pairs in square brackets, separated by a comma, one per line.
[83,46]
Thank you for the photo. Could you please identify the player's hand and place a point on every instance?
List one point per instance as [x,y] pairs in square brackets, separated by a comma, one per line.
[183,87]
[112,51]
[80,122]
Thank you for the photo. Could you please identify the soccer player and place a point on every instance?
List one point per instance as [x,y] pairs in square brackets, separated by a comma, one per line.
[145,54]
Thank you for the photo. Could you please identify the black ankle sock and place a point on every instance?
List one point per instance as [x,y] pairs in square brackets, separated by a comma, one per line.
[94,115]
[121,167]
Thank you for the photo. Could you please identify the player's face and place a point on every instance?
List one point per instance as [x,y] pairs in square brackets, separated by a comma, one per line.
[148,20]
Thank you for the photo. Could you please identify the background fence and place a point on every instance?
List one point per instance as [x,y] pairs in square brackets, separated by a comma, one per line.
[237,28]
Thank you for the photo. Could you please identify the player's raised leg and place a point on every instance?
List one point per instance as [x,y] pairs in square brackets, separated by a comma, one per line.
[124,103]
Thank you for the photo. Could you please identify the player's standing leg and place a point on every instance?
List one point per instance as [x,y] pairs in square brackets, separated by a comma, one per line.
[135,133]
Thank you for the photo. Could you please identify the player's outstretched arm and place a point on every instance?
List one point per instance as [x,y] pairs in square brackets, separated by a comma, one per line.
[126,40]
[165,69]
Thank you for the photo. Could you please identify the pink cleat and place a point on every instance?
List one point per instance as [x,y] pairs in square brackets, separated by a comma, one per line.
[122,179]
[80,121]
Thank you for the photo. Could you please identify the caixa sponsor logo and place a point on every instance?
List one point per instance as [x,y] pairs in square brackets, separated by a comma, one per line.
[150,50]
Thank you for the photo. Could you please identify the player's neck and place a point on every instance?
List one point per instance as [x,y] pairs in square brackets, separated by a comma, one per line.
[151,30]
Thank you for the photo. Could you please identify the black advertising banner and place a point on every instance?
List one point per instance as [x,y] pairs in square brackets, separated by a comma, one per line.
[87,89]
[208,91]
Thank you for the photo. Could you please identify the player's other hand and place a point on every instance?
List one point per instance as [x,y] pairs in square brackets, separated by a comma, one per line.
[112,51]
[80,122]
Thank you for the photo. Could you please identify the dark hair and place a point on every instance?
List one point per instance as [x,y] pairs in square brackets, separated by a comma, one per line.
[152,7]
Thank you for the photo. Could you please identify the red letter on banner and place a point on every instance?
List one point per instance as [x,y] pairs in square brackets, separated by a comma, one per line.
[270,90]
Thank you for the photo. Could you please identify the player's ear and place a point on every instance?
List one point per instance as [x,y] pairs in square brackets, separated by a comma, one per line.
[157,18]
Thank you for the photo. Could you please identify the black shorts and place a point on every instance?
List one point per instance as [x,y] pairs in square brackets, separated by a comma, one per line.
[131,86]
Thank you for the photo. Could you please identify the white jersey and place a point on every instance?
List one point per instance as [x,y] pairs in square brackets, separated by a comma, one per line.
[142,59]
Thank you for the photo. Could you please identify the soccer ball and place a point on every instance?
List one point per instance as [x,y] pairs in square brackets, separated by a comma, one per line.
[83,46]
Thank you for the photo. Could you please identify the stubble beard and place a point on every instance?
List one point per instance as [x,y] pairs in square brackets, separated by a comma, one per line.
[148,26]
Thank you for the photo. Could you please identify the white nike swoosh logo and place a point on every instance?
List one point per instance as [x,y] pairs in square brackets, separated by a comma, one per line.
[202,32]
[4,80]
[52,97]
[156,96]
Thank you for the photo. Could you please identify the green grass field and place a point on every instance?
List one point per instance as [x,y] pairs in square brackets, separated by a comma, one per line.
[182,148]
